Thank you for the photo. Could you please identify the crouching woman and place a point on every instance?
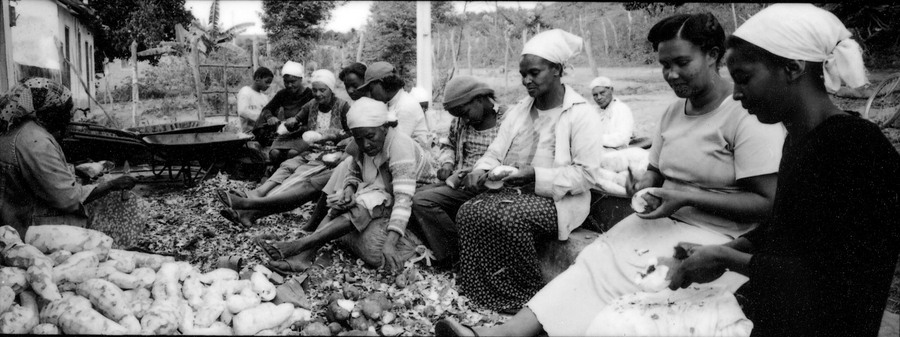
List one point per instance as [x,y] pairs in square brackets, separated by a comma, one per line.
[382,179]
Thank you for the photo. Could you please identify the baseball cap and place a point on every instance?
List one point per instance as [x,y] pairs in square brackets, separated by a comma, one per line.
[377,71]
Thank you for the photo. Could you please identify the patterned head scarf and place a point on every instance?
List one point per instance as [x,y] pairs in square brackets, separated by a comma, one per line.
[30,98]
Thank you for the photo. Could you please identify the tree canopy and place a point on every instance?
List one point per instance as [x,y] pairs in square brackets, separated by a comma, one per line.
[293,26]
[147,22]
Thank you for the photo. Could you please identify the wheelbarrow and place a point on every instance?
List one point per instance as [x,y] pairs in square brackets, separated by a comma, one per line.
[84,141]
[195,154]
[176,128]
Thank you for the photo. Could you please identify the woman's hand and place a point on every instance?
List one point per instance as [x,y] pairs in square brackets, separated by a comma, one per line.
[455,179]
[291,123]
[704,264]
[347,200]
[273,121]
[671,201]
[391,259]
[523,177]
[649,179]
[445,172]
[474,181]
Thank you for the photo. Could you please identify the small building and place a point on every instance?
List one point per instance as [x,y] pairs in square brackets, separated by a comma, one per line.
[48,38]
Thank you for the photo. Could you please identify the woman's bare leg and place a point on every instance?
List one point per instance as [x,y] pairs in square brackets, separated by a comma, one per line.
[281,202]
[331,230]
[523,323]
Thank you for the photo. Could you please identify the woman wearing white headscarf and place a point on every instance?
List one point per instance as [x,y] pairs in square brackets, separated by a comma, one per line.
[712,174]
[382,178]
[550,137]
[823,265]
[297,179]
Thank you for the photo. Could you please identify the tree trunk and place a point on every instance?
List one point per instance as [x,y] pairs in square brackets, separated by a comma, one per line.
[524,35]
[734,16]
[453,51]
[506,62]
[134,83]
[195,69]
[469,55]
[106,82]
[615,34]
[362,41]
[629,38]
[587,46]
[605,39]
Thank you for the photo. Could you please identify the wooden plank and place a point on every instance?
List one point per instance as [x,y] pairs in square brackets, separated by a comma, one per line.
[227,66]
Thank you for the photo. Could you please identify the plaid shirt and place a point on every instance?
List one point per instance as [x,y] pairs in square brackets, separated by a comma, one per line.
[465,144]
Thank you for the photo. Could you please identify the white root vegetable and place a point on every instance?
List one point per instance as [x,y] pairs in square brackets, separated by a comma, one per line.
[7,298]
[59,256]
[74,268]
[9,236]
[123,266]
[166,285]
[24,256]
[74,315]
[223,274]
[208,313]
[226,317]
[45,329]
[188,327]
[265,316]
[131,323]
[41,279]
[20,319]
[312,136]
[14,278]
[161,319]
[298,315]
[496,174]
[140,278]
[247,299]
[193,290]
[50,238]
[151,261]
[262,286]
[106,297]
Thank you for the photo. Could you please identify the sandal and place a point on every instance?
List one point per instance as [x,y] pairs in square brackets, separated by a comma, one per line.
[267,248]
[293,266]
[232,216]
[450,327]
[224,198]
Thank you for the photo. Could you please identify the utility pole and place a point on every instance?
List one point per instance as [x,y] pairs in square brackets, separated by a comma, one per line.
[423,46]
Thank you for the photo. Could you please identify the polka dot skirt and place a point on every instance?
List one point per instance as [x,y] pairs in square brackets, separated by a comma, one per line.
[498,234]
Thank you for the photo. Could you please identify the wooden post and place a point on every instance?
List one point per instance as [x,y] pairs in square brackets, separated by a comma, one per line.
[506,62]
[134,83]
[362,40]
[587,46]
[255,43]
[734,16]
[605,39]
[629,37]
[225,89]
[424,63]
[469,55]
[524,35]
[106,81]
[195,69]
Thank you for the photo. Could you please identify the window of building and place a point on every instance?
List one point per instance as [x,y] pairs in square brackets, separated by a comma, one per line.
[67,46]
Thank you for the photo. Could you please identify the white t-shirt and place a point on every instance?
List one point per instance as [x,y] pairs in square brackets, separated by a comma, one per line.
[711,152]
[410,117]
[250,104]
[618,124]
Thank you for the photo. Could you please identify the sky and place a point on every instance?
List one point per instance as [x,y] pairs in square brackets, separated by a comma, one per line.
[352,14]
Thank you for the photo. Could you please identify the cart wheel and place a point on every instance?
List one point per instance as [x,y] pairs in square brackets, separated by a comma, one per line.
[884,104]
[158,166]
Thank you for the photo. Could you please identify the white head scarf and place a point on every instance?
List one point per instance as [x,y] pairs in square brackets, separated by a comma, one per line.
[367,112]
[420,94]
[325,77]
[292,68]
[601,81]
[555,45]
[808,33]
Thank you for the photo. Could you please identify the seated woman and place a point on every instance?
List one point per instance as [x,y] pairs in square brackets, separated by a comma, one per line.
[823,265]
[712,166]
[381,181]
[618,123]
[551,137]
[36,185]
[326,122]
[285,107]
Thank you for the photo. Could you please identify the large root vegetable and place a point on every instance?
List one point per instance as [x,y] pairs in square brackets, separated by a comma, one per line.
[45,329]
[223,274]
[140,278]
[193,290]
[41,279]
[246,299]
[106,297]
[297,316]
[14,278]
[9,236]
[74,267]
[24,255]
[7,298]
[151,261]
[59,257]
[131,323]
[124,266]
[50,238]
[166,285]
[22,318]
[262,317]
[74,315]
[188,327]
[262,286]
[161,319]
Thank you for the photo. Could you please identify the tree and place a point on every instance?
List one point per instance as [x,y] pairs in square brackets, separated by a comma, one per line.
[293,26]
[119,22]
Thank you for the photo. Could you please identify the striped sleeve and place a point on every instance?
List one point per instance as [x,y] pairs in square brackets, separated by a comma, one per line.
[403,171]
[354,175]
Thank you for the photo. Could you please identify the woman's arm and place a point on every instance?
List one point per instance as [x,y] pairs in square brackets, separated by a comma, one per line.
[753,204]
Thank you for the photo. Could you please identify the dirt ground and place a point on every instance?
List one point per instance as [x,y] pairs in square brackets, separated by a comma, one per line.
[642,88]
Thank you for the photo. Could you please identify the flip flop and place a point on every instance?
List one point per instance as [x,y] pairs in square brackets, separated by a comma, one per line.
[268,248]
[450,327]
[294,267]
[232,216]
[241,194]
[224,198]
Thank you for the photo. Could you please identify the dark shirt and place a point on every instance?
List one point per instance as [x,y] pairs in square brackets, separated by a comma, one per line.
[824,264]
[285,105]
